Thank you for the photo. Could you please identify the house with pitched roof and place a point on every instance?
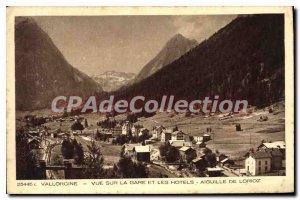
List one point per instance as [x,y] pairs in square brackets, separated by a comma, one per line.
[126,128]
[220,157]
[258,162]
[176,143]
[178,135]
[166,135]
[142,153]
[34,143]
[277,150]
[275,144]
[157,132]
[187,154]
[214,171]
[179,143]
[117,130]
[198,164]
[136,129]
[206,137]
[272,145]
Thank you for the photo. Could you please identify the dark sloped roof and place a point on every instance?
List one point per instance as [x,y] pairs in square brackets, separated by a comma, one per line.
[34,139]
[277,153]
[220,154]
[261,154]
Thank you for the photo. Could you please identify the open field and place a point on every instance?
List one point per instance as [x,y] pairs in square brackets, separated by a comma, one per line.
[110,152]
[225,138]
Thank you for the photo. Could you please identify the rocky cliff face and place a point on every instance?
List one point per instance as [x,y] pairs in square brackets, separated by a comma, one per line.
[41,70]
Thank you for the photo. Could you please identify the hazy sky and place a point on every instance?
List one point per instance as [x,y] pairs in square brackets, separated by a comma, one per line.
[123,43]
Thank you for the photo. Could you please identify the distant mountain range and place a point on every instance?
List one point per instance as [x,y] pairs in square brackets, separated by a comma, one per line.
[173,49]
[42,72]
[243,60]
[111,80]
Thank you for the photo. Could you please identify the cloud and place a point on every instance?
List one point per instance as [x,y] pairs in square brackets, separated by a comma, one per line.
[200,27]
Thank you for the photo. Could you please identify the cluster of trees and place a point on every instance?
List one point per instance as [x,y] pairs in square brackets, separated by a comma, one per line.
[86,123]
[131,117]
[94,162]
[72,149]
[143,137]
[210,160]
[122,139]
[145,114]
[126,168]
[26,162]
[191,156]
[101,136]
[107,123]
[169,153]
[210,157]
[34,120]
[77,126]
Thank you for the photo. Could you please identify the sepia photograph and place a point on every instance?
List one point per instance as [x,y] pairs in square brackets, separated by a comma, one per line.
[175,98]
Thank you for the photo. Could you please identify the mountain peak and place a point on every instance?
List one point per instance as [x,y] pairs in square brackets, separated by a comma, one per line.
[180,38]
[178,35]
[24,21]
[175,47]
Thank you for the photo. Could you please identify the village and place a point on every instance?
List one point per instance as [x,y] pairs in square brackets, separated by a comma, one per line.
[164,151]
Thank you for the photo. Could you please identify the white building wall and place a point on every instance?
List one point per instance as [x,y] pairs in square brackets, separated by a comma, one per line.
[163,137]
[258,166]
[250,165]
[134,131]
[125,129]
[157,134]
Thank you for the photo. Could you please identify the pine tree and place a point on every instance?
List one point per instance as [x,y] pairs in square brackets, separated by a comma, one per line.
[94,162]
[86,123]
[79,154]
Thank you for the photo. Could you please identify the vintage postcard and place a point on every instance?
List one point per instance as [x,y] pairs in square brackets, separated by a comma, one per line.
[150,100]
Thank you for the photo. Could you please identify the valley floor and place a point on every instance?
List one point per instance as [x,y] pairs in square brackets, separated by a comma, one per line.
[225,138]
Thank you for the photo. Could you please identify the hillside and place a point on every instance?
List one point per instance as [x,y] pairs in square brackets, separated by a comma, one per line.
[243,60]
[111,80]
[42,71]
[172,50]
